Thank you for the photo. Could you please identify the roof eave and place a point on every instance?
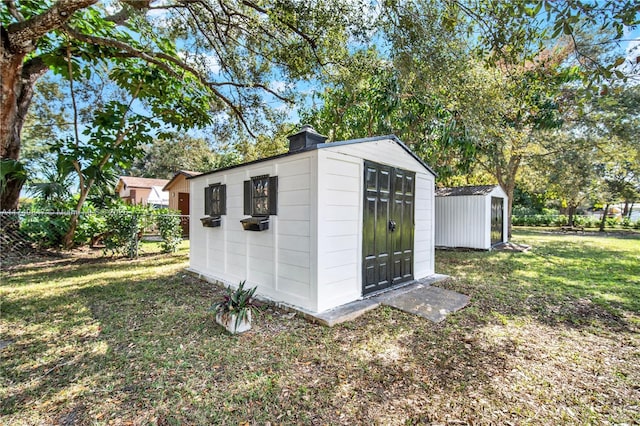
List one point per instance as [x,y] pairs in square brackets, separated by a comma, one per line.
[322,146]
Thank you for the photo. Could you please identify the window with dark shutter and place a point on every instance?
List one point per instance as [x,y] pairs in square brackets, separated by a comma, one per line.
[215,204]
[215,200]
[261,196]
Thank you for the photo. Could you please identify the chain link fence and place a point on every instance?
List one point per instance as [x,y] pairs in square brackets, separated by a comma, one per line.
[28,233]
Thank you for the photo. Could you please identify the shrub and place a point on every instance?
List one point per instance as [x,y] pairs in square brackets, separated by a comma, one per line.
[89,225]
[580,220]
[637,224]
[560,220]
[626,223]
[168,223]
[541,220]
[45,230]
[124,230]
[517,220]
[523,211]
[612,222]
[591,222]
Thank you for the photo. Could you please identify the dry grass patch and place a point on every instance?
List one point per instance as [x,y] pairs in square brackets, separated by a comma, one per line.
[551,337]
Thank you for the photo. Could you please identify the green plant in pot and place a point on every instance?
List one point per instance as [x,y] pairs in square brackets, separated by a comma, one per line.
[233,312]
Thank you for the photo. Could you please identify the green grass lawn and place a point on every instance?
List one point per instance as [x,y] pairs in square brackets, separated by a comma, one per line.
[551,337]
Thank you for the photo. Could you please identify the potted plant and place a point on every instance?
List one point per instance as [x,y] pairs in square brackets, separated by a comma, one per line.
[233,312]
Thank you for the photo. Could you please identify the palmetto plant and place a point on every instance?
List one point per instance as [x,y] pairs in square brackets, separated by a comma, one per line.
[54,188]
[238,302]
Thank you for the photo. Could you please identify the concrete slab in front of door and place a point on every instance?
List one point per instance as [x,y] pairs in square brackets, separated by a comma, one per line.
[417,297]
[344,313]
[429,302]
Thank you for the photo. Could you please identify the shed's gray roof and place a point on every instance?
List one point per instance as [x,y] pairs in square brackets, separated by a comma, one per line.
[465,190]
[328,145]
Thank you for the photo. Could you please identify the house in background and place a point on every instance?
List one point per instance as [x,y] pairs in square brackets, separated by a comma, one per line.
[319,226]
[178,190]
[471,217]
[145,191]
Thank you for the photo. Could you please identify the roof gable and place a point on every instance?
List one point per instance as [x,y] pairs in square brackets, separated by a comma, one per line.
[186,173]
[328,145]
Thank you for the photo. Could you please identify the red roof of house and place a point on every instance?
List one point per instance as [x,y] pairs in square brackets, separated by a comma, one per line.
[138,182]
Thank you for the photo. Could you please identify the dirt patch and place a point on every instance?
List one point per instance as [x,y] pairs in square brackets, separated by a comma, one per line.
[511,246]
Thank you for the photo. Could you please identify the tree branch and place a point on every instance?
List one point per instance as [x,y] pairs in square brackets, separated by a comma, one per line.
[22,36]
[310,41]
[76,163]
[32,70]
[158,58]
[13,11]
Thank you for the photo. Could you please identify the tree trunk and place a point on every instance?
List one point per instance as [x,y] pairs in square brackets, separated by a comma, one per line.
[509,210]
[603,221]
[67,240]
[18,86]
[509,189]
[625,212]
[571,211]
[630,210]
[507,180]
[10,71]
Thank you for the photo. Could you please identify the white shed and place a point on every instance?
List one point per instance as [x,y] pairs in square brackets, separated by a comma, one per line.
[320,226]
[471,217]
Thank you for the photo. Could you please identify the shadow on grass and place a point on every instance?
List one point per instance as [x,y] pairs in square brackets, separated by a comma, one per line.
[63,270]
[90,334]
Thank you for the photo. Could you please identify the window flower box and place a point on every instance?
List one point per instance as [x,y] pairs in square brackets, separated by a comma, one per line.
[255,223]
[211,222]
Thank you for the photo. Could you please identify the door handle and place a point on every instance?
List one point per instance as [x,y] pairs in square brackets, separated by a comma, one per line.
[392,225]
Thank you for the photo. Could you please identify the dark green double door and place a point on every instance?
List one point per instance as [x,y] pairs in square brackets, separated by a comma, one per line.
[497,229]
[388,227]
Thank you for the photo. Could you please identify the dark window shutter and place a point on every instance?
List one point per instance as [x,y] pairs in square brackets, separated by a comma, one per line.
[223,199]
[207,200]
[247,197]
[273,195]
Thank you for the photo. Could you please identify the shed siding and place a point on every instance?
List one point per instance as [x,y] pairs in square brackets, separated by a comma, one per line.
[462,221]
[198,236]
[277,260]
[423,237]
[465,220]
[142,194]
[339,229]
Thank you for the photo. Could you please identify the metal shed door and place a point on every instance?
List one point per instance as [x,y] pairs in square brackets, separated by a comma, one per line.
[387,239]
[497,229]
[183,206]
